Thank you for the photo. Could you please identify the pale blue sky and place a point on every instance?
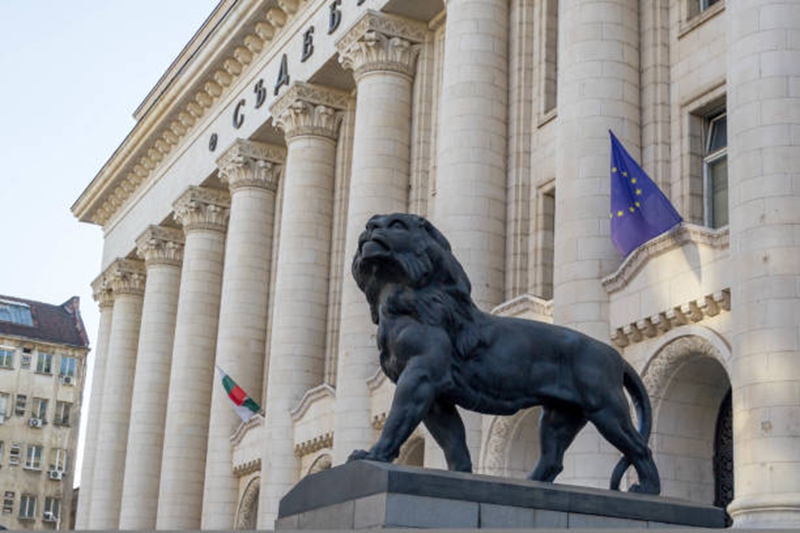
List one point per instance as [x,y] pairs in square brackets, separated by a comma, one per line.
[71,75]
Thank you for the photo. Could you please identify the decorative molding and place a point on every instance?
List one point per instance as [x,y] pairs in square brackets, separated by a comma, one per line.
[525,303]
[316,444]
[381,43]
[379,420]
[377,379]
[677,237]
[247,514]
[308,109]
[200,208]
[251,164]
[318,393]
[158,245]
[660,323]
[323,462]
[248,467]
[496,449]
[241,430]
[127,276]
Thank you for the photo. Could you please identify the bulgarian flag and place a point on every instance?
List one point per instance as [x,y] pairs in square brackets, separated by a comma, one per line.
[243,404]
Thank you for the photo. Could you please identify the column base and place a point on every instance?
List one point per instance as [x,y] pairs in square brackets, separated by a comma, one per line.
[770,511]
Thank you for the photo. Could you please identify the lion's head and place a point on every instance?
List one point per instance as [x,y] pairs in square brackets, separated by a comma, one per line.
[408,252]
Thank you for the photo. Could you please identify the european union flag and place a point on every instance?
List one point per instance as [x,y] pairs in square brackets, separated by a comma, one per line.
[639,210]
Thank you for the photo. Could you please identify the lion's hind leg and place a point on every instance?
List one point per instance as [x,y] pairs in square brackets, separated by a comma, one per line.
[557,429]
[614,422]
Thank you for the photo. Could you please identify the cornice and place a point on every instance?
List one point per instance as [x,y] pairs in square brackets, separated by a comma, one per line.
[241,430]
[316,444]
[158,245]
[312,396]
[251,164]
[249,467]
[525,303]
[689,312]
[379,43]
[229,41]
[309,109]
[200,208]
[682,234]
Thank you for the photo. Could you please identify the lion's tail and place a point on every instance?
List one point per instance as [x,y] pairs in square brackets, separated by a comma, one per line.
[644,412]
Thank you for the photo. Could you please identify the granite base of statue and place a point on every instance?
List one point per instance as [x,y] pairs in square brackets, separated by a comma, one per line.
[444,353]
[370,495]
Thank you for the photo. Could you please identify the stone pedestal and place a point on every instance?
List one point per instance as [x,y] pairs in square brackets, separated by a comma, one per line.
[365,494]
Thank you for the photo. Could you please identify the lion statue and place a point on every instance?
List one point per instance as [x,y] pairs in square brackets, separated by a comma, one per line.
[442,351]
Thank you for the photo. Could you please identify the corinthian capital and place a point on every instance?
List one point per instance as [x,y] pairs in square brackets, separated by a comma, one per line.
[381,43]
[307,109]
[101,291]
[160,246]
[202,208]
[126,276]
[251,164]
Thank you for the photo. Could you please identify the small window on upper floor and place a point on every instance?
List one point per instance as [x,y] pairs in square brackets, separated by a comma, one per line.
[33,457]
[6,357]
[39,411]
[21,404]
[61,417]
[16,313]
[52,510]
[705,4]
[44,363]
[68,366]
[27,507]
[715,171]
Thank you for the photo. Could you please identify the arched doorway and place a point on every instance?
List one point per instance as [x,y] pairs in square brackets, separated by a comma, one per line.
[690,391]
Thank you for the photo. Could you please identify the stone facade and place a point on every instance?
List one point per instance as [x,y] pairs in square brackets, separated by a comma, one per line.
[285,124]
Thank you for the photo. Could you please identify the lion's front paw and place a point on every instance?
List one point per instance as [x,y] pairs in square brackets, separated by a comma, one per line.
[359,454]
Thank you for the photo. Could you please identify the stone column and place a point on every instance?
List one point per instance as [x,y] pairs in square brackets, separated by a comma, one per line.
[471,147]
[251,170]
[310,117]
[763,105]
[598,90]
[127,279]
[381,52]
[204,215]
[162,251]
[105,300]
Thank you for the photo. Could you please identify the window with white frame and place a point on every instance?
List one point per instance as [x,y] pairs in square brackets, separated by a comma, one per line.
[21,404]
[5,406]
[39,408]
[58,459]
[27,507]
[52,509]
[62,413]
[715,171]
[33,457]
[68,366]
[6,357]
[8,502]
[44,363]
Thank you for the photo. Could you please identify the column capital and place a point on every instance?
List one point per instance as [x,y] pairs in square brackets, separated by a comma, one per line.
[101,291]
[308,109]
[158,245]
[381,43]
[126,276]
[251,164]
[203,208]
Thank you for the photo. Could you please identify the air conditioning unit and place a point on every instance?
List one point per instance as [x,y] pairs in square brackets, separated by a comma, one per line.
[35,422]
[49,516]
[66,380]
[56,475]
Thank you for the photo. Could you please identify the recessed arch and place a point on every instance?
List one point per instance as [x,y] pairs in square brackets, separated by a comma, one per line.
[247,514]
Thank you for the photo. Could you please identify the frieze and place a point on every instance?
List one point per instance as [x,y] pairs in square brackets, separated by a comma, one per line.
[687,313]
[158,245]
[316,444]
[251,164]
[202,208]
[673,239]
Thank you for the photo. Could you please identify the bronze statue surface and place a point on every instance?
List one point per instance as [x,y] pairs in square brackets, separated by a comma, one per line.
[443,352]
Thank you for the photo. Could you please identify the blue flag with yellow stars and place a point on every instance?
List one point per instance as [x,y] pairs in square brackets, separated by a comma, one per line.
[639,210]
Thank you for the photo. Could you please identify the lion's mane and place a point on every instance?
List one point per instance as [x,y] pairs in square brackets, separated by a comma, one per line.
[437,291]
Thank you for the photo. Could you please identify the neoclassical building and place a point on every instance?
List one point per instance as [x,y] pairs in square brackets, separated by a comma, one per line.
[231,213]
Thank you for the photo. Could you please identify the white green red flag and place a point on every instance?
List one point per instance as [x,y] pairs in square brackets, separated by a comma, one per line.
[243,404]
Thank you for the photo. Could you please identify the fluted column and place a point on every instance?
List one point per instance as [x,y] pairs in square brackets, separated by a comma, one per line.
[162,251]
[251,170]
[471,147]
[105,300]
[310,117]
[127,279]
[382,53]
[598,90]
[204,216]
[764,182]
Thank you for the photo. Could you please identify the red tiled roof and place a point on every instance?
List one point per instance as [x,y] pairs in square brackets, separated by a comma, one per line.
[60,324]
